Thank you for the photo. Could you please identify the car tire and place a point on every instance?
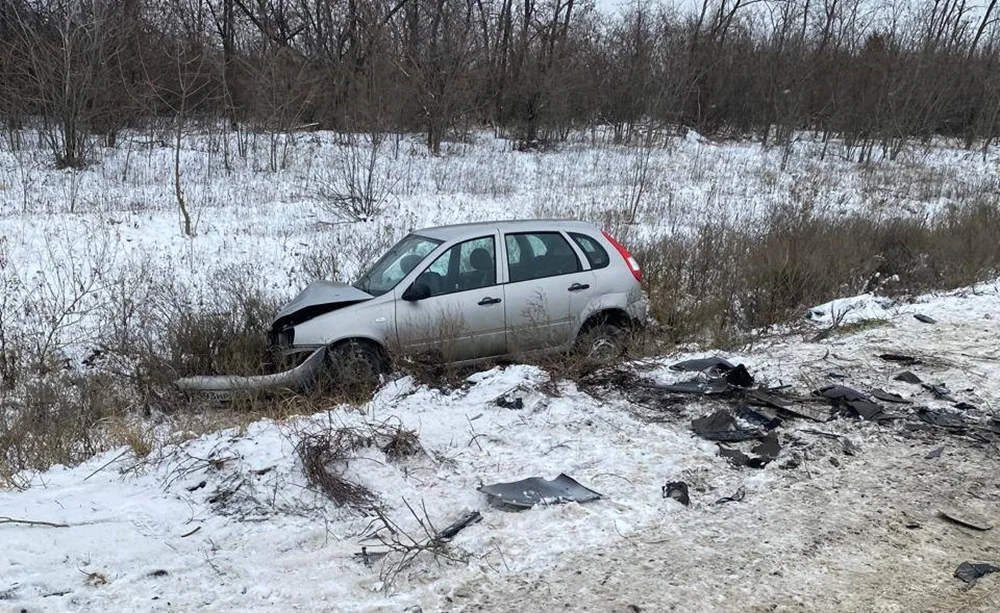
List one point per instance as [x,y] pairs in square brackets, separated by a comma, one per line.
[601,344]
[352,370]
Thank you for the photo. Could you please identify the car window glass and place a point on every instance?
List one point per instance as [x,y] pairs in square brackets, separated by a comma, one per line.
[467,265]
[550,255]
[399,261]
[595,253]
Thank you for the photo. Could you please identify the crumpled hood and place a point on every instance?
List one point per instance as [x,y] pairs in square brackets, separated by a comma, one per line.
[322,293]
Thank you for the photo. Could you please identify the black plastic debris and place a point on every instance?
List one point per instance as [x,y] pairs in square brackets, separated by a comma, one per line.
[766,451]
[715,386]
[840,392]
[908,377]
[768,448]
[526,493]
[853,402]
[457,526]
[506,402]
[881,394]
[836,374]
[971,572]
[702,364]
[941,418]
[759,417]
[908,360]
[966,518]
[924,318]
[965,406]
[369,558]
[934,453]
[739,377]
[768,398]
[941,392]
[720,426]
[736,497]
[678,490]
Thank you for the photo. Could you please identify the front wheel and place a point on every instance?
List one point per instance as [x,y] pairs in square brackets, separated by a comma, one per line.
[352,369]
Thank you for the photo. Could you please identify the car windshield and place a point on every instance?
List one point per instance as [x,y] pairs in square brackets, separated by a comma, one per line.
[396,264]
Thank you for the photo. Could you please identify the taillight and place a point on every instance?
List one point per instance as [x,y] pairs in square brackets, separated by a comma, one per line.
[632,264]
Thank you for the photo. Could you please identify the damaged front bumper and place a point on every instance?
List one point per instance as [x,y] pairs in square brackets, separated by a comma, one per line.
[224,387]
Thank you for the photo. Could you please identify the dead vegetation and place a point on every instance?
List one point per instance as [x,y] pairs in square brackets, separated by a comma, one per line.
[325,455]
[725,281]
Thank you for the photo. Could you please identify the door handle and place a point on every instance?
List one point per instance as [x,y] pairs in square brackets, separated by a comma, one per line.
[488,301]
[576,287]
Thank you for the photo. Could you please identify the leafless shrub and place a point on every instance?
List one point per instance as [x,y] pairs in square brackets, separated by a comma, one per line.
[361,182]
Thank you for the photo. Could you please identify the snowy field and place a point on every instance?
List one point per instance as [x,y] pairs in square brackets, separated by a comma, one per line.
[227,521]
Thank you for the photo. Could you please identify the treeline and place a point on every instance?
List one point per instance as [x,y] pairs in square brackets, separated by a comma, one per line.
[534,70]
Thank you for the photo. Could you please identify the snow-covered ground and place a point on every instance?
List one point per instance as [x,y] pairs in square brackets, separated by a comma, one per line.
[227,521]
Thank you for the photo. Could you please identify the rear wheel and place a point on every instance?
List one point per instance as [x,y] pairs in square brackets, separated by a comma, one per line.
[352,369]
[601,343]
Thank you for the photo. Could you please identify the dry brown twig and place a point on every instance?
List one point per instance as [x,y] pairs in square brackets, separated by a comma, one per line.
[32,522]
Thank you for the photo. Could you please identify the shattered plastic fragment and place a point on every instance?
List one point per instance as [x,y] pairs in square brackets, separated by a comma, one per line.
[908,377]
[720,426]
[908,360]
[703,364]
[924,318]
[971,572]
[535,490]
[678,490]
[736,497]
[881,394]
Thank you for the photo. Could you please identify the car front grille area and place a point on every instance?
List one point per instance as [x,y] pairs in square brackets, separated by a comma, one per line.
[284,338]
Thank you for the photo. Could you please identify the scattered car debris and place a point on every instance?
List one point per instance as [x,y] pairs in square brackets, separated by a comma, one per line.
[908,377]
[714,386]
[720,365]
[965,406]
[766,451]
[941,392]
[739,376]
[934,453]
[506,402]
[736,497]
[768,448]
[881,394]
[941,418]
[856,403]
[770,399]
[836,374]
[908,360]
[460,524]
[526,493]
[720,426]
[678,490]
[924,318]
[760,417]
[966,518]
[840,392]
[971,572]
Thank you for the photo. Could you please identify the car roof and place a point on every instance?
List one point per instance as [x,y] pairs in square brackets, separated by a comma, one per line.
[456,231]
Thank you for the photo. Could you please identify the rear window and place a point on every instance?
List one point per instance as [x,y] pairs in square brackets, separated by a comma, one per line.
[596,254]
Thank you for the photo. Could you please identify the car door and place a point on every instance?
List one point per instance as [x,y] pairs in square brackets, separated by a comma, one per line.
[547,288]
[462,316]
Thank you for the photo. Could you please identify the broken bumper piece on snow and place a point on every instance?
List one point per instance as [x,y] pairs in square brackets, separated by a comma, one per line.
[224,387]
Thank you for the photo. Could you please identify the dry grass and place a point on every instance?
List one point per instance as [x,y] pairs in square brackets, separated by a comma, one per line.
[724,281]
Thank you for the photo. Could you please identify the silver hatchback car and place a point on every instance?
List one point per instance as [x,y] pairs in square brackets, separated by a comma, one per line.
[462,294]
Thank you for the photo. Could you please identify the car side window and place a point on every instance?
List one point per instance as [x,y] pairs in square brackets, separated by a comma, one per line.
[465,266]
[595,253]
[539,255]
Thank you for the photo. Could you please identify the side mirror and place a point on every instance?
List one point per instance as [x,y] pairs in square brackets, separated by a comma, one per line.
[417,291]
